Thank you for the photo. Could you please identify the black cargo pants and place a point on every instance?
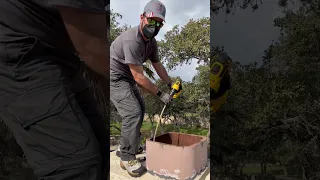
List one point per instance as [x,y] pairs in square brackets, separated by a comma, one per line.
[126,97]
[45,102]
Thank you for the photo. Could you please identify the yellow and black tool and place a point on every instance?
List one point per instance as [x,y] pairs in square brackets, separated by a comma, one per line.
[176,90]
[218,70]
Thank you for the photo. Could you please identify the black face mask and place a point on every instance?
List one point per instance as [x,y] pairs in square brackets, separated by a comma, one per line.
[150,31]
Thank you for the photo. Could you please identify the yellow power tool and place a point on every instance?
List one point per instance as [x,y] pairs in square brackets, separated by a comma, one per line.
[218,70]
[176,90]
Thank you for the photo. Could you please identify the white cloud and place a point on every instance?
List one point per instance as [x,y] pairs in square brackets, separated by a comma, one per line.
[177,12]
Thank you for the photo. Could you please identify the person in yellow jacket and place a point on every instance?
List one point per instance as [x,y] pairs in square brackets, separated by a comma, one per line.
[220,82]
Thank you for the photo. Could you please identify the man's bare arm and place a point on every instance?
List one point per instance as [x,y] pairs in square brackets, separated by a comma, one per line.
[88,32]
[161,71]
[140,78]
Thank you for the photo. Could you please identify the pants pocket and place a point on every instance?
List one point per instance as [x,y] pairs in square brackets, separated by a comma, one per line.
[119,91]
[51,127]
[17,51]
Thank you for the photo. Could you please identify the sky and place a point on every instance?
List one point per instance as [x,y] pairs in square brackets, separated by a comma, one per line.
[246,34]
[178,12]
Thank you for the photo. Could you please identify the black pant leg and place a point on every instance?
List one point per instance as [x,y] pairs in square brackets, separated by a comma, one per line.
[38,103]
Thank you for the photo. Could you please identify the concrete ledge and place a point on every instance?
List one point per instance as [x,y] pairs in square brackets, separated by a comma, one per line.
[116,173]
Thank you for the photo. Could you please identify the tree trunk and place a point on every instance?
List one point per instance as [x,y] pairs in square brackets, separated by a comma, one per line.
[253,177]
[208,135]
[303,172]
[285,171]
[151,118]
[263,168]
[152,125]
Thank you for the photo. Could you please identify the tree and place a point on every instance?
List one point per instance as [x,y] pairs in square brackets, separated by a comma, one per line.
[279,100]
[230,6]
[201,93]
[189,102]
[181,45]
[298,52]
[115,29]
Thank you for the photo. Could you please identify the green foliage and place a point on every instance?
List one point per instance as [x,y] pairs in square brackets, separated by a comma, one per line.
[154,105]
[147,128]
[200,91]
[115,29]
[273,111]
[190,109]
[181,45]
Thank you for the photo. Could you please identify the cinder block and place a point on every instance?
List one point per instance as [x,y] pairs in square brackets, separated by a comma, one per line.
[177,155]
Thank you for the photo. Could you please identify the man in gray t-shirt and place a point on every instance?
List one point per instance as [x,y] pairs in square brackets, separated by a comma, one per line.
[128,52]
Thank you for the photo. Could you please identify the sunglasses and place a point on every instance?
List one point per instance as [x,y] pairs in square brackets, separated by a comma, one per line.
[154,22]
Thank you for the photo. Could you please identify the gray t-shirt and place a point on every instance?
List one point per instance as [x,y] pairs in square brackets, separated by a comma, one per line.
[130,48]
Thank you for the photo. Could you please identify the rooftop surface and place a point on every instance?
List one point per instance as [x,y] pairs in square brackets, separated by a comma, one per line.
[117,173]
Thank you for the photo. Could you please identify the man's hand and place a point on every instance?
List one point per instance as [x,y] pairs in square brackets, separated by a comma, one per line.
[88,33]
[169,86]
[141,79]
[165,98]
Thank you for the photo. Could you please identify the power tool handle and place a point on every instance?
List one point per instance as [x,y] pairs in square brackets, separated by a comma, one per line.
[173,91]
